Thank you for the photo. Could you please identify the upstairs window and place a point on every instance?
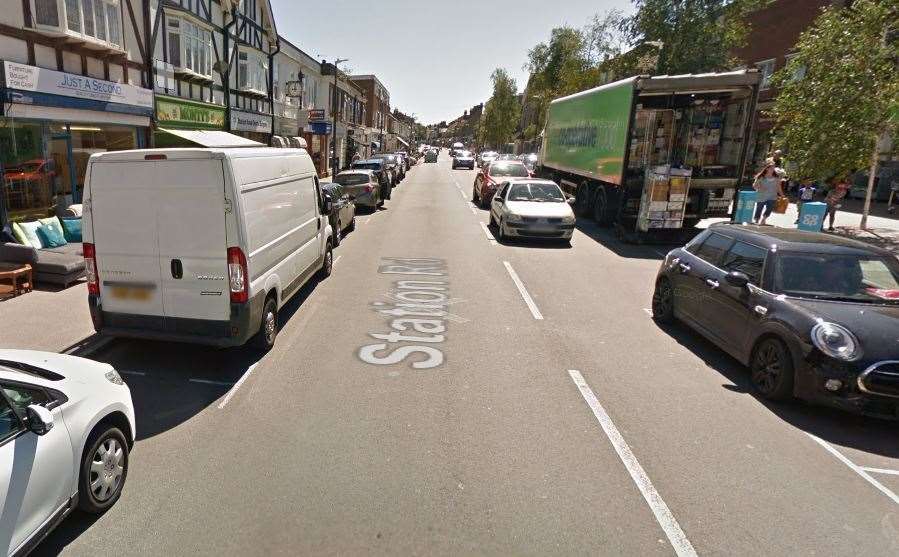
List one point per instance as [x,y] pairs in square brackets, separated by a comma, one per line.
[766,69]
[190,46]
[98,21]
[252,71]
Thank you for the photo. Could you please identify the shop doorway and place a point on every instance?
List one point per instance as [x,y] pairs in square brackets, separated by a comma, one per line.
[60,152]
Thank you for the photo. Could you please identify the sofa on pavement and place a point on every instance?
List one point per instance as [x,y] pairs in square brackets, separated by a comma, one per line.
[59,265]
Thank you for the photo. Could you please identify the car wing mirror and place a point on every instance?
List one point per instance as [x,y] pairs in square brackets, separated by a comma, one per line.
[738,279]
[570,200]
[40,420]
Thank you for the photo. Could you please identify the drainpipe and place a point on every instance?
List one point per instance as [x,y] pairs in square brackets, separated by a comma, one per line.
[271,85]
[226,54]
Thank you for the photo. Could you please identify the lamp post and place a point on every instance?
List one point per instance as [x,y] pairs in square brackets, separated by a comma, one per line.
[334,110]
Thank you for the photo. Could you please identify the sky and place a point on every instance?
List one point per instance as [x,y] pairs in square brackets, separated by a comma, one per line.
[435,57]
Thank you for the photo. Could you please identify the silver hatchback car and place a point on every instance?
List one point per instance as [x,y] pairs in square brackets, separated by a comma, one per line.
[362,185]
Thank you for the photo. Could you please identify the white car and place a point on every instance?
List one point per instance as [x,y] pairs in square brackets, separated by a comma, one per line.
[533,208]
[66,428]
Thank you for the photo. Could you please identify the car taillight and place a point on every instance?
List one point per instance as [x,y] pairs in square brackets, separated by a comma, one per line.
[90,269]
[238,278]
[368,188]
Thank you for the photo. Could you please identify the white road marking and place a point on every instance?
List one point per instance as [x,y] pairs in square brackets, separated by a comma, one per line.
[473,211]
[648,311]
[210,382]
[236,386]
[487,231]
[522,290]
[126,372]
[666,520]
[855,468]
[880,470]
[462,193]
[336,259]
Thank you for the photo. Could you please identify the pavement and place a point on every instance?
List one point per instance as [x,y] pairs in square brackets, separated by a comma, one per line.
[536,409]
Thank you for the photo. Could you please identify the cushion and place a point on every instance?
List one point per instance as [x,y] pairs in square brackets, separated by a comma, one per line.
[29,230]
[6,234]
[71,228]
[51,235]
[20,236]
[72,248]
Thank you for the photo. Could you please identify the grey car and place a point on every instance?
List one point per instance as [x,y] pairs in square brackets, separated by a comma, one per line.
[343,210]
[363,185]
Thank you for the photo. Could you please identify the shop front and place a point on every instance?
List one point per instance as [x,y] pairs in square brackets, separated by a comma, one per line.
[252,125]
[318,136]
[51,122]
[174,114]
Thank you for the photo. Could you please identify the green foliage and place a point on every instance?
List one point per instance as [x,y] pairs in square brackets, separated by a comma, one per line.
[502,111]
[697,34]
[828,120]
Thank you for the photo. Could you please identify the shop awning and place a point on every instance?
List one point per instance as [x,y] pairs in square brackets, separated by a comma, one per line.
[401,140]
[213,138]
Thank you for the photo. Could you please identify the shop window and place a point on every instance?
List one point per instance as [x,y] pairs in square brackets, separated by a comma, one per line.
[98,21]
[28,174]
[766,69]
[190,46]
[89,139]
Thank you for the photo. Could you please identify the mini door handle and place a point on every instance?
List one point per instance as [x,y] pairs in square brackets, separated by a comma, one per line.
[177,269]
[712,283]
[684,268]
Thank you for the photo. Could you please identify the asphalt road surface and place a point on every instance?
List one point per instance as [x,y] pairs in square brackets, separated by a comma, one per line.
[534,408]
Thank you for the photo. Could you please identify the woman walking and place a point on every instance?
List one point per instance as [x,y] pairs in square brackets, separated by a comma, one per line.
[835,197]
[768,186]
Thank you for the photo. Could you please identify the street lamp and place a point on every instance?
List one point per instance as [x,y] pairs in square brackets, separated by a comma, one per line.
[334,115]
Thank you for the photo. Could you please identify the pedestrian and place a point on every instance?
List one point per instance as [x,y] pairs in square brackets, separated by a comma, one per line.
[834,198]
[356,157]
[806,193]
[767,184]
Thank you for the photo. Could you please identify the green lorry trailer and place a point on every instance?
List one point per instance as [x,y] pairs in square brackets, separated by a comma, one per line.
[652,156]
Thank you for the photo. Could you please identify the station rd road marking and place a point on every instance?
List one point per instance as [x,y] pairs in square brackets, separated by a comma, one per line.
[462,193]
[522,290]
[487,231]
[856,468]
[666,520]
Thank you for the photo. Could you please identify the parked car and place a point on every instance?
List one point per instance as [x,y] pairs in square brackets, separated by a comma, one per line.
[431,156]
[363,186]
[343,210]
[530,161]
[486,158]
[223,239]
[381,171]
[394,165]
[66,429]
[506,157]
[407,160]
[487,180]
[813,316]
[463,159]
[531,208]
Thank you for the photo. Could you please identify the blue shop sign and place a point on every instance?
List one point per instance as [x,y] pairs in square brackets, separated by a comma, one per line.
[321,128]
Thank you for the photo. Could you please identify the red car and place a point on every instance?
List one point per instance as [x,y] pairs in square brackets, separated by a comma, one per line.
[491,176]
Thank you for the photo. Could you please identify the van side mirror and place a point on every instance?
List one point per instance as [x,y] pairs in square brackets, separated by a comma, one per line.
[40,420]
[738,279]
[329,203]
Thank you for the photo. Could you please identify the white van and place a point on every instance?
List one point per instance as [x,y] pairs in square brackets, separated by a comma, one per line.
[201,245]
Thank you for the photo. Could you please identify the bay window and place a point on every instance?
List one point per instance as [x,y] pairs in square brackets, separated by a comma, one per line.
[190,46]
[252,71]
[97,21]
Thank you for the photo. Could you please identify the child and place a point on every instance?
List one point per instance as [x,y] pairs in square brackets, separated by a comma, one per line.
[806,193]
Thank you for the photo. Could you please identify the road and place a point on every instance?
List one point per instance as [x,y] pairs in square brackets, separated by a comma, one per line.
[557,418]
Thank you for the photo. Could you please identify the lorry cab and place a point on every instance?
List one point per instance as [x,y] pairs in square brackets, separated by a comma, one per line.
[201,245]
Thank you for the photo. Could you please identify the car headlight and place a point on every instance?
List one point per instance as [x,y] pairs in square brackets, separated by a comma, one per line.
[568,220]
[836,341]
[113,377]
[513,218]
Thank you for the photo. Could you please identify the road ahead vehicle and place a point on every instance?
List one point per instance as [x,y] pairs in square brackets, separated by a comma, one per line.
[381,170]
[507,157]
[363,186]
[652,155]
[486,158]
[530,160]
[201,245]
[431,156]
[457,146]
[531,208]
[343,210]
[813,316]
[489,178]
[463,159]
[66,430]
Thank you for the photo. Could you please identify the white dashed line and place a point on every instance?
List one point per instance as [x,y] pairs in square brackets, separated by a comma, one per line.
[237,385]
[462,193]
[522,290]
[856,468]
[666,520]
[487,231]
[210,382]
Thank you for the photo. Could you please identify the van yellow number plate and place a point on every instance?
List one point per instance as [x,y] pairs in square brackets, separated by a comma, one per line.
[130,293]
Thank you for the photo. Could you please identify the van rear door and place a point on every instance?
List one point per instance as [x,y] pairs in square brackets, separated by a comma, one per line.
[123,214]
[193,256]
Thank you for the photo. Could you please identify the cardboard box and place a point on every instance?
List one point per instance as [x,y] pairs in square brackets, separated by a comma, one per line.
[678,185]
[676,206]
[658,206]
[673,224]
[657,215]
[660,193]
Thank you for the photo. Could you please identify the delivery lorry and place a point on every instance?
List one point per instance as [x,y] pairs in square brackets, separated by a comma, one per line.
[652,156]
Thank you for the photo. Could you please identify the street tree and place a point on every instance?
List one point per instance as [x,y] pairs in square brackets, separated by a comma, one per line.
[502,111]
[839,95]
[694,36]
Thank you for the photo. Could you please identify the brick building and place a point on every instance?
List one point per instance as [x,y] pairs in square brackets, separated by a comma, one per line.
[377,100]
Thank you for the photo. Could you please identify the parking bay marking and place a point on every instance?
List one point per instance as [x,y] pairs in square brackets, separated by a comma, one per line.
[487,231]
[665,518]
[856,468]
[880,471]
[236,386]
[522,290]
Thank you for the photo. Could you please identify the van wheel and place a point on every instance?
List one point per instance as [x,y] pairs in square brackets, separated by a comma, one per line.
[104,468]
[327,264]
[268,327]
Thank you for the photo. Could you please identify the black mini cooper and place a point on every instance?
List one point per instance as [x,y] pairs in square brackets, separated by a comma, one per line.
[812,315]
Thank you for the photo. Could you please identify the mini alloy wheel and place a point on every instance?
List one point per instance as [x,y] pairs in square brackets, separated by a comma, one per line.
[772,370]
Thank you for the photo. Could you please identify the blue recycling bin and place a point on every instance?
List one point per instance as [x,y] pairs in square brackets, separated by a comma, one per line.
[745,206]
[811,216]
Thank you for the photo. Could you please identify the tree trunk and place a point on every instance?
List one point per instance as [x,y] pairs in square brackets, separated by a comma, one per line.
[871,178]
